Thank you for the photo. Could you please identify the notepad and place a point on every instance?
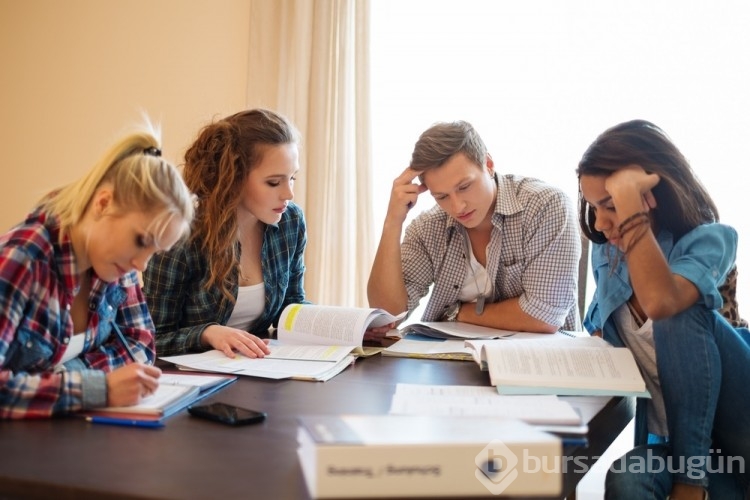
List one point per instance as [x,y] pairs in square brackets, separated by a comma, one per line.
[175,392]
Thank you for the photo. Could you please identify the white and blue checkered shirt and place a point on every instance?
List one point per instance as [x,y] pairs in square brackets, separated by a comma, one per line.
[533,254]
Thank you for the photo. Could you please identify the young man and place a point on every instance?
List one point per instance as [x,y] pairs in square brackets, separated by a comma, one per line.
[501,251]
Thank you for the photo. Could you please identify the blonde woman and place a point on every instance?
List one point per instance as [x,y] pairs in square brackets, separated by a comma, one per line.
[75,332]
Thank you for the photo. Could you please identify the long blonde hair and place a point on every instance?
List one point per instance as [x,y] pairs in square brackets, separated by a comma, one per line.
[140,180]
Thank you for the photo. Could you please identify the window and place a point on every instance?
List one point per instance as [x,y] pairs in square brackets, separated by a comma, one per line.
[541,79]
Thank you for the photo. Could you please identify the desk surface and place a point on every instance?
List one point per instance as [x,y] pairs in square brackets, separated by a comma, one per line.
[194,458]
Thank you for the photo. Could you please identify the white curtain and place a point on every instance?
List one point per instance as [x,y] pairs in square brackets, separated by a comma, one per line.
[309,59]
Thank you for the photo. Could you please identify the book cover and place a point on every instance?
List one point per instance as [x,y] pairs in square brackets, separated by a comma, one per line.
[354,456]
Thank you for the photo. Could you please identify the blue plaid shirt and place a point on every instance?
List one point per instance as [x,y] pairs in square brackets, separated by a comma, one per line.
[183,307]
[38,282]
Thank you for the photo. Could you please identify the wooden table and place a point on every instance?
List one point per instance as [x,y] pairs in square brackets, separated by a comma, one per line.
[193,458]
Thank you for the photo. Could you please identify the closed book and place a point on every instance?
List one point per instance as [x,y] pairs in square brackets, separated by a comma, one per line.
[355,456]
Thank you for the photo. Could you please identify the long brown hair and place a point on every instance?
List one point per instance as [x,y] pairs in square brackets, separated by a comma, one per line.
[682,201]
[216,167]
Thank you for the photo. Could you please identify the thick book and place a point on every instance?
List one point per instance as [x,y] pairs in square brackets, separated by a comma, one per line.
[176,391]
[312,324]
[355,456]
[586,366]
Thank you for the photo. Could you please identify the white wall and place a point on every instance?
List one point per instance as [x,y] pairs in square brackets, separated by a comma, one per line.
[540,80]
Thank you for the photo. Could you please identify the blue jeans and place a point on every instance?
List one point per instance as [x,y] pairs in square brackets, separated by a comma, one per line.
[704,371]
[647,473]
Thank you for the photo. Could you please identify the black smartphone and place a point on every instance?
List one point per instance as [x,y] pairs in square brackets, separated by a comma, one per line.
[227,414]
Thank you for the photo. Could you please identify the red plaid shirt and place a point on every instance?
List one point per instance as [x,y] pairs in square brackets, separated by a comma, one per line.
[38,281]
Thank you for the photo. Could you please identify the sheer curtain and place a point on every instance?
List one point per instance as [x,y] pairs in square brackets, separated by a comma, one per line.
[309,60]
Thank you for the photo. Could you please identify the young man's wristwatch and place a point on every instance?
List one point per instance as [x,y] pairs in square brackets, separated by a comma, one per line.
[451,314]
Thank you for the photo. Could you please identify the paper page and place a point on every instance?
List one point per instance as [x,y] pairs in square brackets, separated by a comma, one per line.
[202,381]
[216,361]
[534,364]
[209,361]
[424,347]
[164,395]
[325,353]
[477,346]
[587,406]
[328,325]
[480,401]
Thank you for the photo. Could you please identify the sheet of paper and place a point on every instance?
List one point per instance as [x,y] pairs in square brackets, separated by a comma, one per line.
[216,361]
[196,380]
[407,346]
[325,353]
[480,401]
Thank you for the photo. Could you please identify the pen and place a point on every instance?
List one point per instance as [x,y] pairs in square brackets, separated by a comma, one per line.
[119,334]
[128,422]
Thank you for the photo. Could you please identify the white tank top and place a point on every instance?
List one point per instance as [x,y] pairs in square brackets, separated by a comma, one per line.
[251,300]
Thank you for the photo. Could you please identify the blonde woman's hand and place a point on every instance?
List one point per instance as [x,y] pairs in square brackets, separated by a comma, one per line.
[231,340]
[127,385]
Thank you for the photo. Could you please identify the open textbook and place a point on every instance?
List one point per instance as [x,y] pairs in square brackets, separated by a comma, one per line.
[416,345]
[564,366]
[313,342]
[312,324]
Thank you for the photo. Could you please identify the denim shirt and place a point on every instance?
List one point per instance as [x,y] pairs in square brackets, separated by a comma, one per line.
[38,283]
[703,256]
[183,307]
